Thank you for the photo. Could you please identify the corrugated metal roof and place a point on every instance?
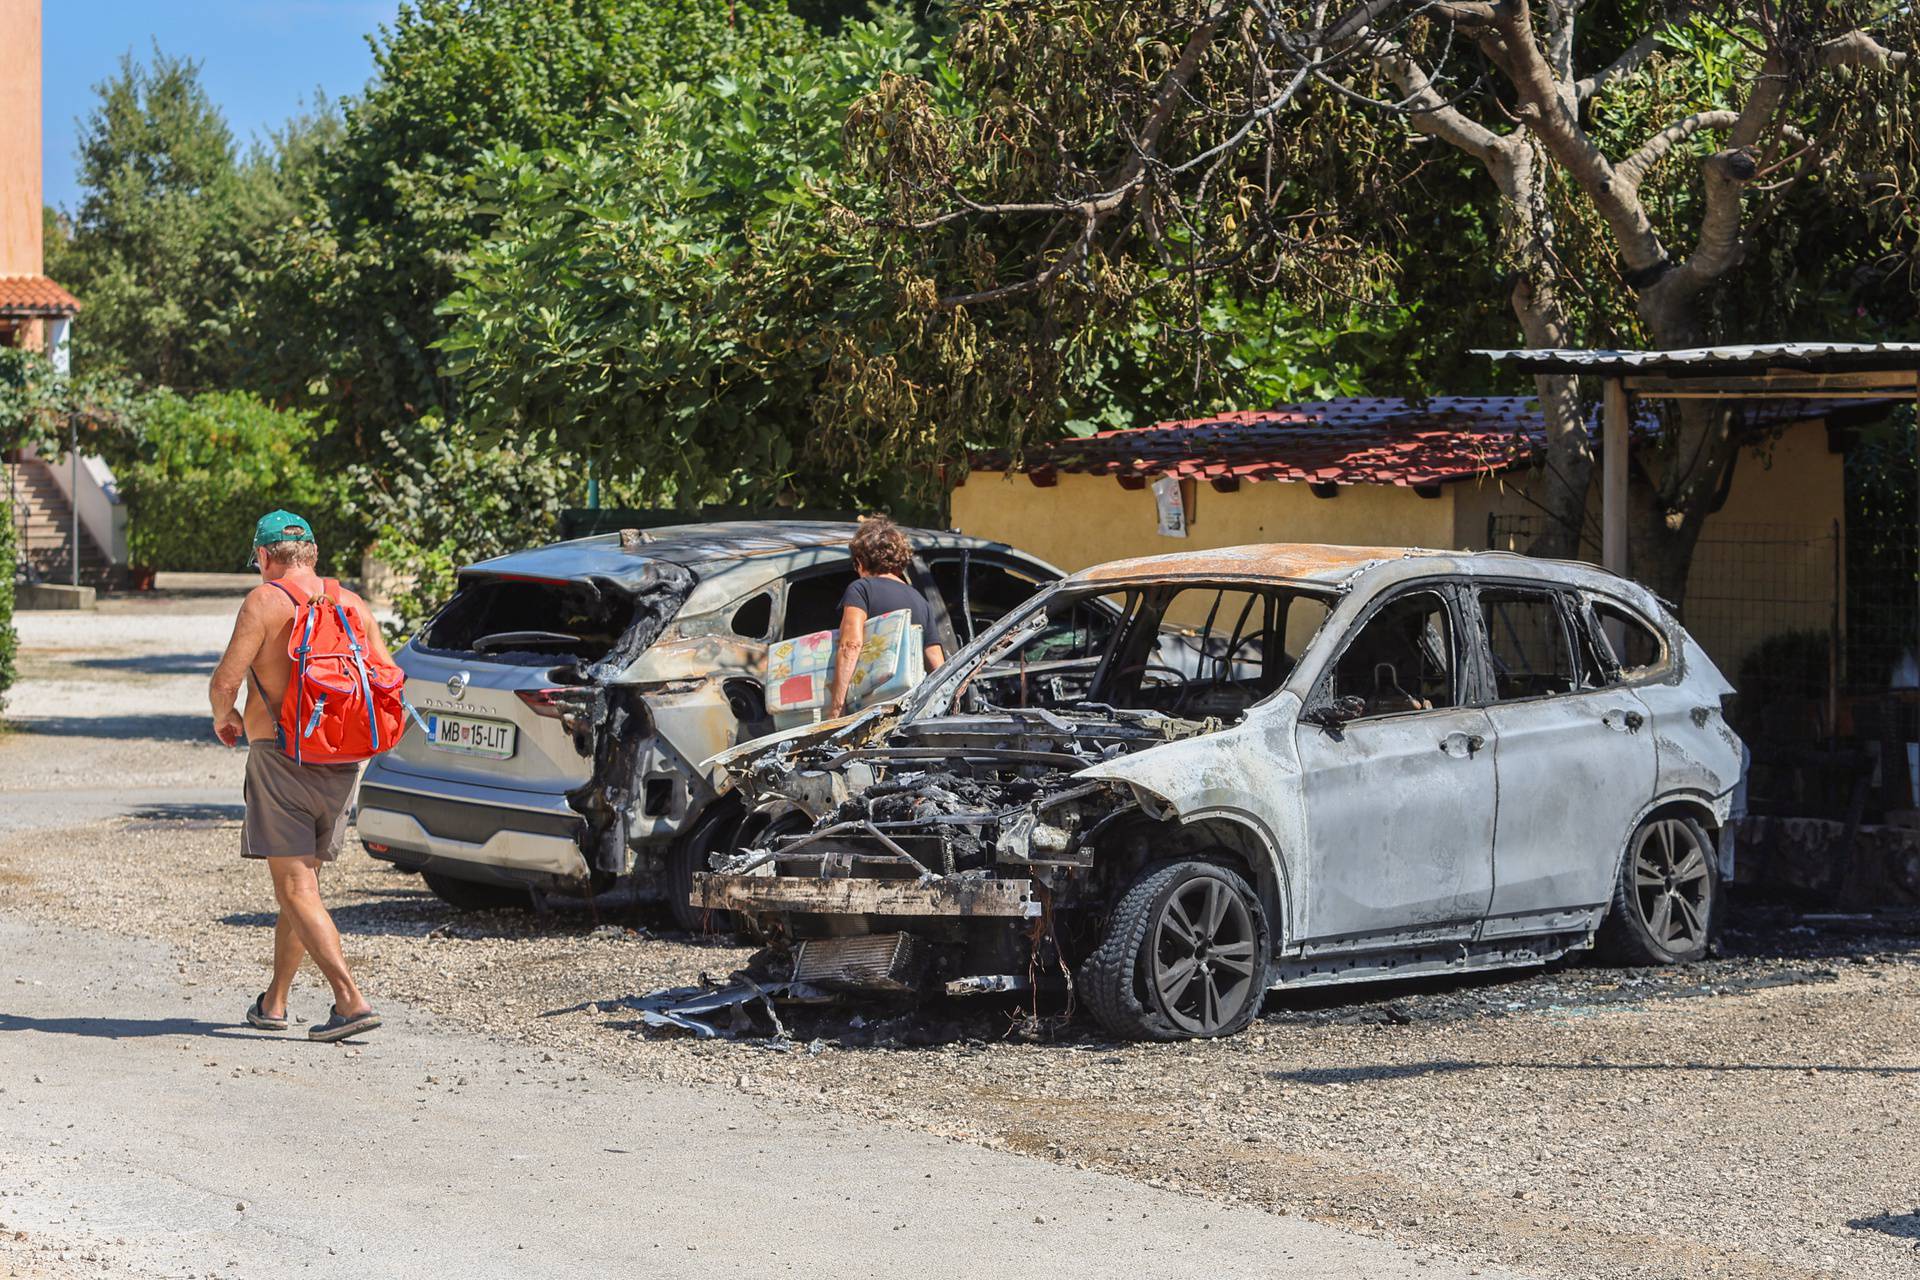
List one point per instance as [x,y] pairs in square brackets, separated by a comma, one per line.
[1357,440]
[1812,356]
[35,296]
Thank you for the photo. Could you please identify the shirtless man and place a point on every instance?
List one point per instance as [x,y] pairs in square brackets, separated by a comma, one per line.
[296,813]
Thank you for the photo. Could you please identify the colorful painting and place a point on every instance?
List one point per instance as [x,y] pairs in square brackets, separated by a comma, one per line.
[800,671]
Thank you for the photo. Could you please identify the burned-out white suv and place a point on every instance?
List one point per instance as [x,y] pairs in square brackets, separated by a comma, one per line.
[571,693]
[1391,762]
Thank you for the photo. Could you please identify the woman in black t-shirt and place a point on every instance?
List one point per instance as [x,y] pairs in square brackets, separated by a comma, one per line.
[880,556]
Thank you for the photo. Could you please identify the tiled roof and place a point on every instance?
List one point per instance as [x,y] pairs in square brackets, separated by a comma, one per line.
[35,296]
[1358,440]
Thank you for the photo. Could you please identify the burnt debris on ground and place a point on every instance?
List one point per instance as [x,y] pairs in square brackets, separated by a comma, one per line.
[1765,946]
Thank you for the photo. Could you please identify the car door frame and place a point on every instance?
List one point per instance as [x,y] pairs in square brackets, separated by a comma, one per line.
[841,563]
[1468,720]
[1043,574]
[1577,899]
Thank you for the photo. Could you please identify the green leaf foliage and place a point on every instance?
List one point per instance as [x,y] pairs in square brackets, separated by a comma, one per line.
[345,313]
[438,498]
[671,294]
[199,470]
[173,220]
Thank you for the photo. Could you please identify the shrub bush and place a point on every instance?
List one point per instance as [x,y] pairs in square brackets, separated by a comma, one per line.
[442,498]
[200,470]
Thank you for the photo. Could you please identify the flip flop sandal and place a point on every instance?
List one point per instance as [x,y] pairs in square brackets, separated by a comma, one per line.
[256,1016]
[339,1028]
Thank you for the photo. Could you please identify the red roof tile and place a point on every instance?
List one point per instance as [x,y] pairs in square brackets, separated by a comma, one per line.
[1358,440]
[35,296]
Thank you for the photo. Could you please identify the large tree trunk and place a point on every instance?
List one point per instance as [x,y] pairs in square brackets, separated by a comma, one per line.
[1520,171]
[1673,485]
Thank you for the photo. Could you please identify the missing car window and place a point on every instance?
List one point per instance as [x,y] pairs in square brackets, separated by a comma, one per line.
[1185,650]
[1527,641]
[1401,659]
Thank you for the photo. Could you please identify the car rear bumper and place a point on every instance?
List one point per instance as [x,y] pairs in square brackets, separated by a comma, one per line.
[473,840]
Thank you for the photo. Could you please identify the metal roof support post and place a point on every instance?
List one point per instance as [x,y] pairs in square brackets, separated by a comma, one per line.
[1615,413]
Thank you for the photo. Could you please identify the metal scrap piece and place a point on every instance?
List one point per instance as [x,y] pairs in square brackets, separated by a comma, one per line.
[689,1008]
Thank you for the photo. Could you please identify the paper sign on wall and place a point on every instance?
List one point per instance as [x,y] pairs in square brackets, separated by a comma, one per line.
[1173,512]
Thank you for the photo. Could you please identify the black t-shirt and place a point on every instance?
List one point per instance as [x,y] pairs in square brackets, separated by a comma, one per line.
[885,595]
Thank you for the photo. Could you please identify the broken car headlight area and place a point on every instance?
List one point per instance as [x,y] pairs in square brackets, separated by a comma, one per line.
[959,858]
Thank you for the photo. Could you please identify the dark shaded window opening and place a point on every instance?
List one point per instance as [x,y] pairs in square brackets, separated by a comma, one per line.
[1636,647]
[1401,660]
[813,603]
[754,618]
[659,796]
[1527,643]
[528,623]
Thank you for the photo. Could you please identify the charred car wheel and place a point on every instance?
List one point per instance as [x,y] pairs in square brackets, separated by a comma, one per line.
[1184,955]
[1666,898]
[469,895]
[718,828]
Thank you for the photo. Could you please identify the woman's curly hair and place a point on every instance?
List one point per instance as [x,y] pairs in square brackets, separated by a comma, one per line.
[880,547]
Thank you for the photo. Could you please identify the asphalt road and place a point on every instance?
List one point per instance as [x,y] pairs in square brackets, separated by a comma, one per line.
[144,1133]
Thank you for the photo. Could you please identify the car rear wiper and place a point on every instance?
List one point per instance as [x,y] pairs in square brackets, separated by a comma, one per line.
[521,640]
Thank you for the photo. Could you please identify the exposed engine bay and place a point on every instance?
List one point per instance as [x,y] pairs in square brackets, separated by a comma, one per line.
[965,808]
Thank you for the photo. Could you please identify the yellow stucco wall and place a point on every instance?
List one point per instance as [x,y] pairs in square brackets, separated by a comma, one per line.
[1766,562]
[20,209]
[1767,559]
[1085,520]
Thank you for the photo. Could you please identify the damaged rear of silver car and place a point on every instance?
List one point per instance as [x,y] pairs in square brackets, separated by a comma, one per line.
[1355,763]
[572,692]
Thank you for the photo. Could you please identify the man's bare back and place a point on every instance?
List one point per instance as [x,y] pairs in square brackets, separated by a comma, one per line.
[259,643]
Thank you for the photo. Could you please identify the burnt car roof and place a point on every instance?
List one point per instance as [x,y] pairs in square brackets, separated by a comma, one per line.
[710,550]
[1286,561]
[1342,567]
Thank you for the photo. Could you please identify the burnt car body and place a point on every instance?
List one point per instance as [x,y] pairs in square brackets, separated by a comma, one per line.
[1394,762]
[585,682]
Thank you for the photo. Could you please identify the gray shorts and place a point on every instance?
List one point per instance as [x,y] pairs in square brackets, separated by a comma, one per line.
[294,810]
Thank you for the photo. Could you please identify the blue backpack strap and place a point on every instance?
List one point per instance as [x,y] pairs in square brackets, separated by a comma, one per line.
[360,667]
[300,674]
[414,713]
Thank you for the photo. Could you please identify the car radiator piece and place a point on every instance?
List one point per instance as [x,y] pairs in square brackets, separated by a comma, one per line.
[873,962]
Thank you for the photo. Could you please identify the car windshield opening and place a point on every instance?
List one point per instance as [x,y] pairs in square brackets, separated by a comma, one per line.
[1190,650]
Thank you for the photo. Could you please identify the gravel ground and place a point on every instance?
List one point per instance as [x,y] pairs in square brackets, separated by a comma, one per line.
[1752,1117]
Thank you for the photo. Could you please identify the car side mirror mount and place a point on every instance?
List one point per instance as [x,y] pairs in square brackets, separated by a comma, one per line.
[1331,713]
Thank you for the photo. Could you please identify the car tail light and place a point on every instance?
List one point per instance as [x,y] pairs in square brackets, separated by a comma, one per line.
[375,847]
[550,703]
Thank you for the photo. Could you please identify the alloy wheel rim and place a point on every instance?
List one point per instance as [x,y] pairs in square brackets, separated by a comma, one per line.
[1203,956]
[1672,885]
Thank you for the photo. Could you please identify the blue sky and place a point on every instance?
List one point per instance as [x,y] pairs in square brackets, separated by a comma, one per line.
[260,59]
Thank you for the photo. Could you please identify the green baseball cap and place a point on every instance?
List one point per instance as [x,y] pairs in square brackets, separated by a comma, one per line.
[281,526]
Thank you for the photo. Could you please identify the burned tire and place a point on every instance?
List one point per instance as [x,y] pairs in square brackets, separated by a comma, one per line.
[715,830]
[470,895]
[1667,897]
[1183,956]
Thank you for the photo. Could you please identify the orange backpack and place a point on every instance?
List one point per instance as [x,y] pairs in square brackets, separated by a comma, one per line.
[342,705]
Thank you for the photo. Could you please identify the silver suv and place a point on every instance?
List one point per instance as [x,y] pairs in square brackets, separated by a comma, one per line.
[1387,762]
[571,692]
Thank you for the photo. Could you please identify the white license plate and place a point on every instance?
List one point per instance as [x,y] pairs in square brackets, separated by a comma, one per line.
[490,738]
